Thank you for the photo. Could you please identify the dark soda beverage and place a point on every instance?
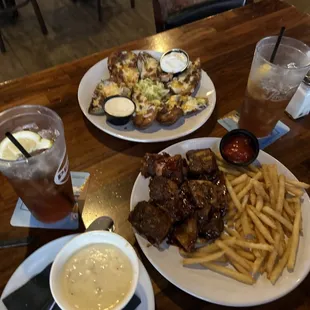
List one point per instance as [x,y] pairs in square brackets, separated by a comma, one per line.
[260,115]
[42,181]
[271,85]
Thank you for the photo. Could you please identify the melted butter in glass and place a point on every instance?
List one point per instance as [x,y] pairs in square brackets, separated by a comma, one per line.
[97,277]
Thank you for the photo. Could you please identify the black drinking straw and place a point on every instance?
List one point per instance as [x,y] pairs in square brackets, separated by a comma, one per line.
[273,55]
[17,144]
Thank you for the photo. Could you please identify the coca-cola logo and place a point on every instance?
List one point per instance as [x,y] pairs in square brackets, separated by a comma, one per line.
[62,173]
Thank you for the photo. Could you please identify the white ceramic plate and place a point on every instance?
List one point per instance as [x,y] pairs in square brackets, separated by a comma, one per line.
[38,260]
[156,132]
[209,285]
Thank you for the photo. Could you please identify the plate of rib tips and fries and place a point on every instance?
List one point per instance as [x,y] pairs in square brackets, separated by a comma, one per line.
[235,236]
[167,106]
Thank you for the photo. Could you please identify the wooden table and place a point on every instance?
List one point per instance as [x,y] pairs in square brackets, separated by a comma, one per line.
[225,44]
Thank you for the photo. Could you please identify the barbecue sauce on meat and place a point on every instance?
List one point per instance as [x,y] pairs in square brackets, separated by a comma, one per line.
[188,199]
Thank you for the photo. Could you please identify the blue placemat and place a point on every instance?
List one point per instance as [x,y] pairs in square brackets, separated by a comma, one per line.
[22,217]
[230,122]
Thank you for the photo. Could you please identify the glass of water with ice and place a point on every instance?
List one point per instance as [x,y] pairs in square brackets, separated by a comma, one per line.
[42,181]
[271,85]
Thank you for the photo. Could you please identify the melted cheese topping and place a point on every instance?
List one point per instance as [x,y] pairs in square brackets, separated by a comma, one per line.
[97,277]
[194,104]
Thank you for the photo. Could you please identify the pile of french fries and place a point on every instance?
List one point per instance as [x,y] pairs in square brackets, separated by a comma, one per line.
[262,225]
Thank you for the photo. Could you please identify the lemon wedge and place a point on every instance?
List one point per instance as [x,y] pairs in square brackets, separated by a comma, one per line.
[30,140]
[264,69]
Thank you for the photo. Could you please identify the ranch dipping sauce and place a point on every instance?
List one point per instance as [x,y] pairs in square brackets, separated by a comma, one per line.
[97,277]
[174,62]
[119,106]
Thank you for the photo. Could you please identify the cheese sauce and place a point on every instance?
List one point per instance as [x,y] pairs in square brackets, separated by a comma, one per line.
[174,62]
[97,277]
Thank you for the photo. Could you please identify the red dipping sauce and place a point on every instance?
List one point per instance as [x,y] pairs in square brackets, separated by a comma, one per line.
[238,149]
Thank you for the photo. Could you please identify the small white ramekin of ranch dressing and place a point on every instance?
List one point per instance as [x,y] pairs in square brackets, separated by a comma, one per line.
[174,61]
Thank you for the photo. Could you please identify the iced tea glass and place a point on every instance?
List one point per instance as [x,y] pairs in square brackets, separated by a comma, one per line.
[271,85]
[43,181]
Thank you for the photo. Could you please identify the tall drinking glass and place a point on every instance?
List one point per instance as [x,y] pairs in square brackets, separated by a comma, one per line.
[43,181]
[271,85]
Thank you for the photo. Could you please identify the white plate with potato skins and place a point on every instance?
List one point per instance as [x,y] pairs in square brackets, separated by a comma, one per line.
[211,286]
[156,132]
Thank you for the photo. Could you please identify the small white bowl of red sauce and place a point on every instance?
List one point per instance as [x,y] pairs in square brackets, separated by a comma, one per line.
[239,147]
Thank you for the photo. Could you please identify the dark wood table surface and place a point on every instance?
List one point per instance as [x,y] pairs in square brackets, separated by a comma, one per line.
[225,43]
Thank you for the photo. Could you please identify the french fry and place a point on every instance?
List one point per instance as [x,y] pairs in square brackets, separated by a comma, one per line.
[298,184]
[222,259]
[288,210]
[273,255]
[294,240]
[240,179]
[246,171]
[278,217]
[230,214]
[266,176]
[233,255]
[238,188]
[238,267]
[203,259]
[259,190]
[263,267]
[247,279]
[294,190]
[244,201]
[253,168]
[257,253]
[246,255]
[275,274]
[253,197]
[257,264]
[297,206]
[282,244]
[259,236]
[259,203]
[229,171]
[233,195]
[230,177]
[238,224]
[273,199]
[218,156]
[281,192]
[232,232]
[264,218]
[293,200]
[260,226]
[258,175]
[245,190]
[210,248]
[274,178]
[247,231]
[252,245]
[284,214]
[230,223]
